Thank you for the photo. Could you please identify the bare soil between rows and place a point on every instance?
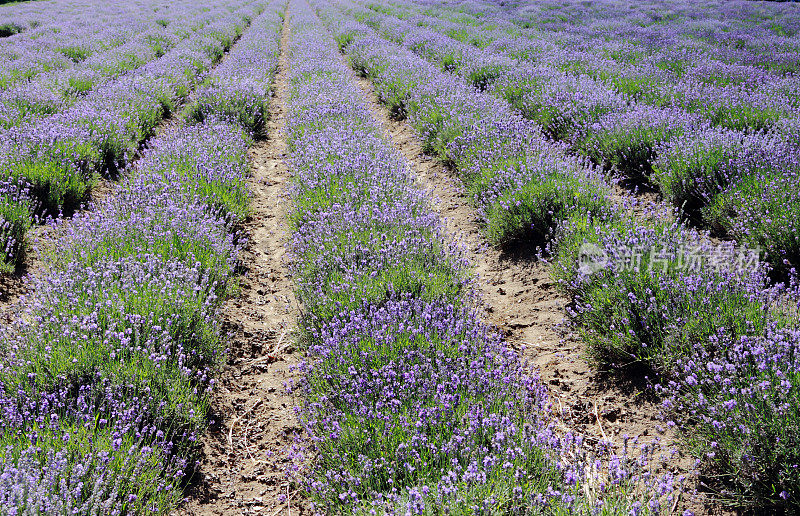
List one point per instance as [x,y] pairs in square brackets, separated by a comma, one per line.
[245,451]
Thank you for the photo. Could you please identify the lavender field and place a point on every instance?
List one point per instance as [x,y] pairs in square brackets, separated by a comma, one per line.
[400,257]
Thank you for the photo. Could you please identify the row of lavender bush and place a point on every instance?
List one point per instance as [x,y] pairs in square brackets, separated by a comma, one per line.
[106,376]
[654,48]
[51,164]
[75,49]
[238,90]
[710,330]
[673,32]
[701,153]
[411,404]
[60,42]
[734,95]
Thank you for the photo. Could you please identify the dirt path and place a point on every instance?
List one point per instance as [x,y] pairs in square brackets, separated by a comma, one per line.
[12,288]
[522,301]
[244,459]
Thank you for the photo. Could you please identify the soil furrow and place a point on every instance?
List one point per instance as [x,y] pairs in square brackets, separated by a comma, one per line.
[244,457]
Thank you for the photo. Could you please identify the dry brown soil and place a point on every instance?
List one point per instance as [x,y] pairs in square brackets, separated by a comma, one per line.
[244,457]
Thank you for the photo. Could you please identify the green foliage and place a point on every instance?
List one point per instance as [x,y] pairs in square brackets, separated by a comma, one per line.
[15,220]
[76,53]
[60,176]
[9,28]
[636,308]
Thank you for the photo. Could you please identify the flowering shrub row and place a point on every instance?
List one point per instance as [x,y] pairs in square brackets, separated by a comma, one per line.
[736,91]
[680,36]
[654,308]
[411,404]
[51,164]
[72,49]
[699,143]
[237,91]
[106,374]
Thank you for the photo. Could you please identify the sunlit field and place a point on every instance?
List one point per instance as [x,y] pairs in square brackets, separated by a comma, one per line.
[400,257]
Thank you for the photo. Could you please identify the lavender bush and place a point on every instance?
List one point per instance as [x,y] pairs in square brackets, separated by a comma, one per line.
[658,289]
[238,91]
[740,398]
[106,378]
[762,210]
[15,220]
[694,169]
